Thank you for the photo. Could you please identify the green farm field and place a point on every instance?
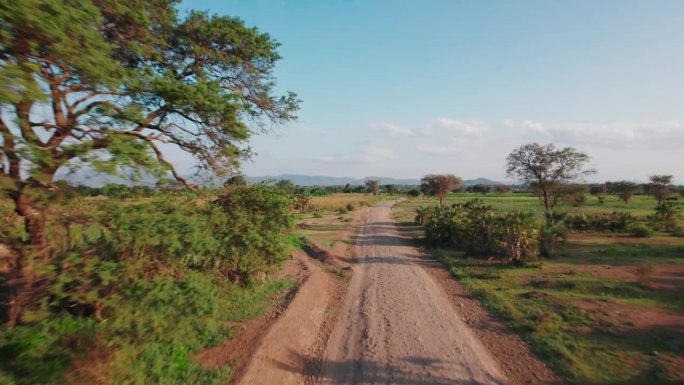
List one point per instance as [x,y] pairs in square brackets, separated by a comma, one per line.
[640,205]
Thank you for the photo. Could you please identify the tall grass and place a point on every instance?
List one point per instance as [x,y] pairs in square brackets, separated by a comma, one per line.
[337,202]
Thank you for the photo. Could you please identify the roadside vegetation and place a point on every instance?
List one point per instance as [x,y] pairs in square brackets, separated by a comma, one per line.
[133,288]
[602,303]
[125,285]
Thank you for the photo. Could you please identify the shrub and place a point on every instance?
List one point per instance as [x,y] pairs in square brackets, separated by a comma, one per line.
[413,193]
[613,222]
[667,211]
[515,235]
[301,203]
[257,219]
[641,231]
[476,229]
[134,290]
[423,214]
[553,230]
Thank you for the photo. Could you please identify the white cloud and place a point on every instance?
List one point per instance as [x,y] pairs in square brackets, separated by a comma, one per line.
[435,149]
[460,127]
[527,125]
[607,134]
[534,126]
[369,155]
[393,129]
[620,132]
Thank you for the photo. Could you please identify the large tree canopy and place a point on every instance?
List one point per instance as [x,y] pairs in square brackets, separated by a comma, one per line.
[547,168]
[108,83]
[439,185]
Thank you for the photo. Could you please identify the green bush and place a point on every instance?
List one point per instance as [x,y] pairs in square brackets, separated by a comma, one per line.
[135,289]
[476,229]
[413,193]
[589,222]
[665,216]
[641,231]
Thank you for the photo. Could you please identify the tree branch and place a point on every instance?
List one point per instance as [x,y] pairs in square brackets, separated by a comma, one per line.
[9,149]
[162,159]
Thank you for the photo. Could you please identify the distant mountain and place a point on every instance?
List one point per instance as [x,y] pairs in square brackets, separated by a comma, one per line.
[88,177]
[317,180]
[473,182]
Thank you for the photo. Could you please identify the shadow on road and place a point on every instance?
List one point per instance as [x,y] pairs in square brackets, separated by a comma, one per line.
[416,371]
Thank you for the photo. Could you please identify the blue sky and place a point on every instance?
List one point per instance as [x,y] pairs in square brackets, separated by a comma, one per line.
[402,89]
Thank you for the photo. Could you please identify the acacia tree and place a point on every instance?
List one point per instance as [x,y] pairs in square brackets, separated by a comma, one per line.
[373,185]
[503,189]
[660,187]
[624,189]
[599,191]
[547,169]
[483,189]
[439,185]
[108,84]
[390,188]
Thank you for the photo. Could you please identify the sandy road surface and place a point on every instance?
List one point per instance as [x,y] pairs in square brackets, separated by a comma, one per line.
[295,331]
[397,326]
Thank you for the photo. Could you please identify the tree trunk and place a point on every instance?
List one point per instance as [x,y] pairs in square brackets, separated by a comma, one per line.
[23,278]
[546,201]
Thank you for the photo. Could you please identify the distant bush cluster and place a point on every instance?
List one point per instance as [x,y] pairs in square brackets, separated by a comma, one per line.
[592,222]
[475,228]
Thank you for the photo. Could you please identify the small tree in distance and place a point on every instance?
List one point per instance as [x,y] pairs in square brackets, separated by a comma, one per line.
[373,186]
[390,188]
[624,189]
[660,187]
[413,193]
[599,191]
[439,185]
[503,189]
[483,189]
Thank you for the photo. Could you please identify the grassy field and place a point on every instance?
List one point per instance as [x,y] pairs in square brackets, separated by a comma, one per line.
[640,205]
[608,309]
[330,215]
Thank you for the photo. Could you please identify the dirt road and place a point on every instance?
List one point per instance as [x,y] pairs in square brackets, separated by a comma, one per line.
[397,326]
[295,331]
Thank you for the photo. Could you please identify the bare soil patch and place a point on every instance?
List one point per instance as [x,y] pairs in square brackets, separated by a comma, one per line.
[631,318]
[622,239]
[663,276]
